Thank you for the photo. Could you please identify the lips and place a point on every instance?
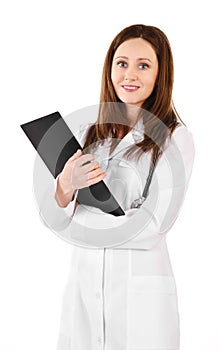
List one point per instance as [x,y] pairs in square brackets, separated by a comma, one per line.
[130,88]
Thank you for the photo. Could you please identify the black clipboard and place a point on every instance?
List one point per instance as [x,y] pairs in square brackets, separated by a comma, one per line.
[55,143]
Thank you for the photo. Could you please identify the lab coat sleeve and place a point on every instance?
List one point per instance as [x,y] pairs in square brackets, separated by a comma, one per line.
[167,191]
[145,227]
[52,215]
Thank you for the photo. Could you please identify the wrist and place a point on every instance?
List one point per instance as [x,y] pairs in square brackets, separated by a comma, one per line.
[63,195]
[64,188]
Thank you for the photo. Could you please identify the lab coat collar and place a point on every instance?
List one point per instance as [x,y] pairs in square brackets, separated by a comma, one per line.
[138,130]
[135,135]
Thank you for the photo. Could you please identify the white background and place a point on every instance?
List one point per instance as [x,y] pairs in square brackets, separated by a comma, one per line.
[52,54]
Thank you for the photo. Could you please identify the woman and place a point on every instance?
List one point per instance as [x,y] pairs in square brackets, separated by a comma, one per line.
[123,296]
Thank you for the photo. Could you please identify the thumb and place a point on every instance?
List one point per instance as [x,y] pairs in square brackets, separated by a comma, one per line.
[76,155]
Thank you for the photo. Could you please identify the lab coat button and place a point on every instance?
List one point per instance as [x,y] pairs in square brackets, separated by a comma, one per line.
[99,339]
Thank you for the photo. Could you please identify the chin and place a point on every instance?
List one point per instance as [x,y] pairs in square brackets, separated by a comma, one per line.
[128,101]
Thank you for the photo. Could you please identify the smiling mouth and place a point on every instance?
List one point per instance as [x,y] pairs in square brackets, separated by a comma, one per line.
[130,88]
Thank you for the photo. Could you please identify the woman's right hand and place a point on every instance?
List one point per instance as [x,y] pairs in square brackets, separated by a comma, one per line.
[75,175]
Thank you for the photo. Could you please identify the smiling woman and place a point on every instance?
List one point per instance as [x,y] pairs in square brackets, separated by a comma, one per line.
[138,72]
[134,71]
[121,292]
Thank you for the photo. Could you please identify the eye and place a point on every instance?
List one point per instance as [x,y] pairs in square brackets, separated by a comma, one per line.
[122,64]
[144,66]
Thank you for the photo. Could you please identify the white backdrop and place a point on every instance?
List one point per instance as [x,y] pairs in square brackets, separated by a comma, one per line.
[52,54]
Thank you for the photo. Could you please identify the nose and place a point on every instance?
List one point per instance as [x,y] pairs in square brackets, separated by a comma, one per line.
[130,74]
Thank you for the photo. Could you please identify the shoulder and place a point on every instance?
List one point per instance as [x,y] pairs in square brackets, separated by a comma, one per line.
[180,150]
[182,138]
[182,133]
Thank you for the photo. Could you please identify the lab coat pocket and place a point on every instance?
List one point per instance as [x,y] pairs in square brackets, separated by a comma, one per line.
[153,318]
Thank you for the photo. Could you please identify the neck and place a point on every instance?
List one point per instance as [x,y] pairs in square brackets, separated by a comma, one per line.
[132,113]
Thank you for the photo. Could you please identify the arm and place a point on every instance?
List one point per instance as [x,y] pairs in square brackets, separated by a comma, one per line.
[65,192]
[56,198]
[167,191]
[145,227]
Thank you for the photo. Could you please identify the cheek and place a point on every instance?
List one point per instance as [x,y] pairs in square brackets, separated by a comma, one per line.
[149,83]
[115,76]
[115,80]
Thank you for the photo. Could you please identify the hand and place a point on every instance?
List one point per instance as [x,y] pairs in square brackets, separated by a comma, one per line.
[80,171]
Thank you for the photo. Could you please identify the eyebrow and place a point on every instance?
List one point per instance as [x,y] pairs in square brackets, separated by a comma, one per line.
[139,59]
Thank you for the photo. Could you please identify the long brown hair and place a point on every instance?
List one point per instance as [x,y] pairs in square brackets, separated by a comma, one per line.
[159,114]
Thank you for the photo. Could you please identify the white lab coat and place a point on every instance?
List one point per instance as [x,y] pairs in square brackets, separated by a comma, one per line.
[121,294]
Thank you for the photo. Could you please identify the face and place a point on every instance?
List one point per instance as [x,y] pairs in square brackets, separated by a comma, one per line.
[134,71]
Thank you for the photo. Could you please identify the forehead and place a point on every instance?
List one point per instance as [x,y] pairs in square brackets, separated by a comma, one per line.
[136,48]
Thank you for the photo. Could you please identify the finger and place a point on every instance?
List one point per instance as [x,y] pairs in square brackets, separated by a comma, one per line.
[75,156]
[96,179]
[85,159]
[90,166]
[94,173]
